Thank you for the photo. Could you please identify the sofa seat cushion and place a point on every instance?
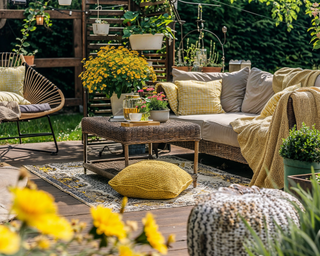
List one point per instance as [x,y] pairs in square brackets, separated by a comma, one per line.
[216,127]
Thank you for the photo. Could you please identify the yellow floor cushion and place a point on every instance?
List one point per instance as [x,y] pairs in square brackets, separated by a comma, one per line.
[12,79]
[271,105]
[151,180]
[10,96]
[196,98]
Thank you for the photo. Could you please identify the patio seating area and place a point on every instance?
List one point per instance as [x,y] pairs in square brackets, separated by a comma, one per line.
[163,127]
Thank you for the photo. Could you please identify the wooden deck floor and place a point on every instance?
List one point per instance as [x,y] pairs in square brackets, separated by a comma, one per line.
[172,220]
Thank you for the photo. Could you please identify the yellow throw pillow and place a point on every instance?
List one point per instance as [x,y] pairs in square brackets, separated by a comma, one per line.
[197,97]
[271,105]
[10,96]
[171,92]
[12,79]
[151,180]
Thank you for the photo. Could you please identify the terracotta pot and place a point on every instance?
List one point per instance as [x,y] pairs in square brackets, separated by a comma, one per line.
[29,60]
[185,68]
[211,69]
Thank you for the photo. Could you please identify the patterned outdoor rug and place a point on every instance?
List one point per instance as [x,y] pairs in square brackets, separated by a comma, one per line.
[93,189]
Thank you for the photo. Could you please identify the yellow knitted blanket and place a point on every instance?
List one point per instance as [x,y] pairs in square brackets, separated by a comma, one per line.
[260,138]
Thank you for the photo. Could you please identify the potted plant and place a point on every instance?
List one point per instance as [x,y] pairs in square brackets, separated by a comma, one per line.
[143,108]
[158,105]
[189,57]
[212,64]
[115,72]
[34,9]
[65,2]
[300,151]
[100,27]
[146,33]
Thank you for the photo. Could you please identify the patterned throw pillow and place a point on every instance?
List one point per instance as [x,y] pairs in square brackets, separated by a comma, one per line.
[171,92]
[196,98]
[10,96]
[151,180]
[12,79]
[270,107]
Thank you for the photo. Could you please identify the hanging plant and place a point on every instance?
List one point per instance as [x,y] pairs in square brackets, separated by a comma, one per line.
[100,27]
[146,33]
[35,9]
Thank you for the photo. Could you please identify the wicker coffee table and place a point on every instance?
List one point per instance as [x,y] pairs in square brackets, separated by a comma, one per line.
[170,131]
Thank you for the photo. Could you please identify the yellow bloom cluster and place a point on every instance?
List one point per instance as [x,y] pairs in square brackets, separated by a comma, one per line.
[9,242]
[115,69]
[125,250]
[107,222]
[37,209]
[154,237]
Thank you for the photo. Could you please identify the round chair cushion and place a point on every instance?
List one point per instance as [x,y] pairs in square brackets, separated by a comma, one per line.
[151,180]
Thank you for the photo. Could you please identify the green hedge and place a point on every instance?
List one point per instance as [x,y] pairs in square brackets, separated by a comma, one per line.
[255,38]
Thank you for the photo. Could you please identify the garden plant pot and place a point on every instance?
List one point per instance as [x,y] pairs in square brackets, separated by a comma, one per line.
[100,29]
[160,115]
[211,69]
[65,2]
[303,180]
[146,42]
[29,60]
[295,167]
[117,104]
[184,68]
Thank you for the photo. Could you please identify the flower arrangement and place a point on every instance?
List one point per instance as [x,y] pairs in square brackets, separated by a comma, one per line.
[158,102]
[116,70]
[37,213]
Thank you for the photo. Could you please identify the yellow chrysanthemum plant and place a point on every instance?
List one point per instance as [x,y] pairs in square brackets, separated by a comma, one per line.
[110,235]
[116,70]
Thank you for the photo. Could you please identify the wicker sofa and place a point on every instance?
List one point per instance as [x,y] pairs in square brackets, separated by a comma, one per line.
[218,137]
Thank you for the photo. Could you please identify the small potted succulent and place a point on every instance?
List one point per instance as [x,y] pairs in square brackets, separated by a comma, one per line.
[300,152]
[212,64]
[100,27]
[146,33]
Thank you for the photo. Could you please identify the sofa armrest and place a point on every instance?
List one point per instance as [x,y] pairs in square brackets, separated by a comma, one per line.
[290,113]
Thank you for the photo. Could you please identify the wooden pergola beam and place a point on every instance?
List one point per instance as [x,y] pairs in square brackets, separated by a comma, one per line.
[18,14]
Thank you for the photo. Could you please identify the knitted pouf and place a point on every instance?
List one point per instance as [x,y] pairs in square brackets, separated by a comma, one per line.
[214,225]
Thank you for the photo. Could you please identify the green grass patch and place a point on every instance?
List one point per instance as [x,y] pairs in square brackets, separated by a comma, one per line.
[66,128]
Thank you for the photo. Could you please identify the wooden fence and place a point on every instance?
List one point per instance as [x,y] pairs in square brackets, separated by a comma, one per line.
[61,62]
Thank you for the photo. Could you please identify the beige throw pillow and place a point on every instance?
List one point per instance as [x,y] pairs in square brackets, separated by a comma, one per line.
[258,92]
[233,85]
[10,96]
[12,79]
[196,98]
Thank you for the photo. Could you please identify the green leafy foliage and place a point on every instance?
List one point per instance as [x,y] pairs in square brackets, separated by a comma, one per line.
[146,25]
[35,9]
[303,144]
[250,37]
[303,240]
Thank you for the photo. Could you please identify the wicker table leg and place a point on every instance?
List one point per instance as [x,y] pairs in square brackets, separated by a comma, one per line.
[195,163]
[85,143]
[150,150]
[126,155]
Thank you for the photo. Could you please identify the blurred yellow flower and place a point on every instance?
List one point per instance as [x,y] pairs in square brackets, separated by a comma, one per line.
[32,206]
[9,242]
[125,250]
[154,237]
[107,222]
[56,227]
[42,242]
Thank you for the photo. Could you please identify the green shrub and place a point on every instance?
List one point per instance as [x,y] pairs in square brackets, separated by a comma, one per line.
[303,144]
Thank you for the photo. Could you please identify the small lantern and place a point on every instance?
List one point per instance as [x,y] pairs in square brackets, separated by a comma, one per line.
[39,19]
[235,65]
